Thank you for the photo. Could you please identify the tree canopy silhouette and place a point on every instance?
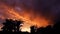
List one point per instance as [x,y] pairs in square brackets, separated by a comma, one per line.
[14,25]
[11,25]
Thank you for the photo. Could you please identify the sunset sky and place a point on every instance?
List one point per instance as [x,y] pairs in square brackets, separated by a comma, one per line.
[40,13]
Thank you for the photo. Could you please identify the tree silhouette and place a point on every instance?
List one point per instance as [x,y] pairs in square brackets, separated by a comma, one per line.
[11,25]
[33,29]
[17,25]
[7,26]
[56,27]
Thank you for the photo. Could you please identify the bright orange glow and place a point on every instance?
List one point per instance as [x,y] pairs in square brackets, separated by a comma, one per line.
[1,25]
[38,21]
[28,18]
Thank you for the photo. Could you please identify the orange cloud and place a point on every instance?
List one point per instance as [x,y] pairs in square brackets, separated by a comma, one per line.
[28,17]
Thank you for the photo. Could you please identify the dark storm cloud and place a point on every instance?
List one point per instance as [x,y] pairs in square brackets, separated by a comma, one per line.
[47,7]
